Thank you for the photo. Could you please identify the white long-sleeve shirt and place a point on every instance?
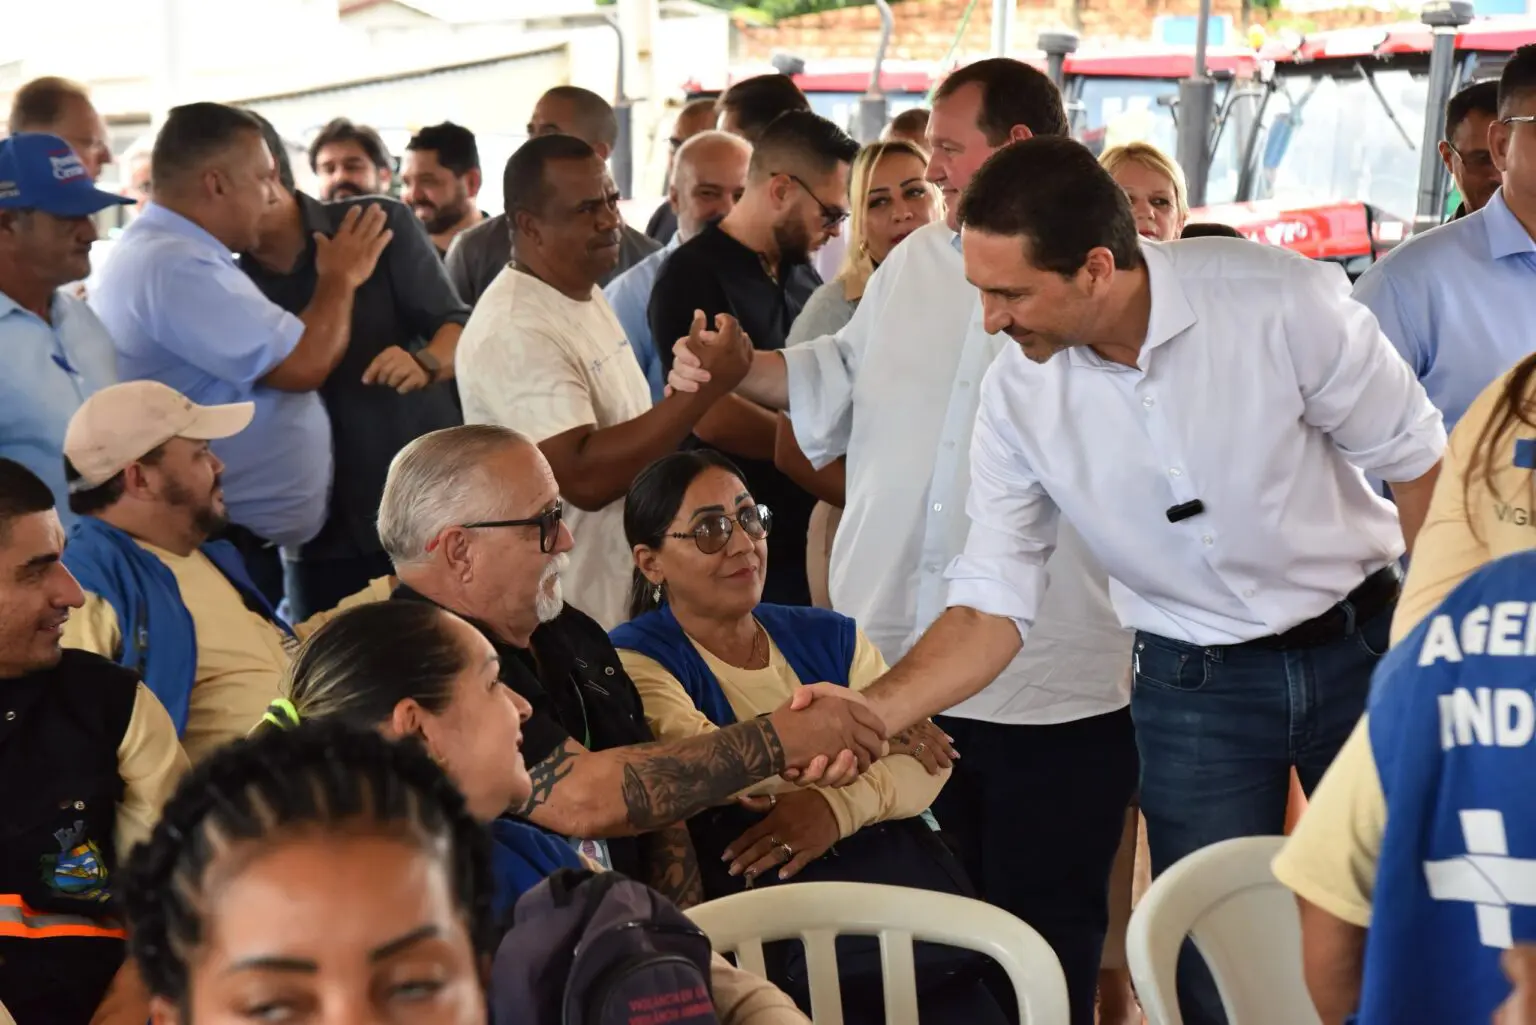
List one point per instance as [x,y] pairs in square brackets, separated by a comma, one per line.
[1263,391]
[896,391]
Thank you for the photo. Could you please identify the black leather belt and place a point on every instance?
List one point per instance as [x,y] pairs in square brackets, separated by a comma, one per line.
[1371,598]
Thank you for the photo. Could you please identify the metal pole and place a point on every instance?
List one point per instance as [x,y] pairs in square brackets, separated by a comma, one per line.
[1002,27]
[1197,111]
[1057,46]
[168,79]
[623,157]
[872,105]
[1445,17]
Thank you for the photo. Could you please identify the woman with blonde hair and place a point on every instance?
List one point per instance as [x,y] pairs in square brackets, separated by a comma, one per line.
[890,199]
[1154,184]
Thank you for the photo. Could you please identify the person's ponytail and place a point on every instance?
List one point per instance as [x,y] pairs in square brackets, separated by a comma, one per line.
[642,595]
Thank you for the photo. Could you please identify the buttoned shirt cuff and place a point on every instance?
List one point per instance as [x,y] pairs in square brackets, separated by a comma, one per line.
[820,399]
[1408,456]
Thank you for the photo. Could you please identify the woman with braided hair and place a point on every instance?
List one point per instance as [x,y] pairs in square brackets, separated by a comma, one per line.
[412,671]
[315,874]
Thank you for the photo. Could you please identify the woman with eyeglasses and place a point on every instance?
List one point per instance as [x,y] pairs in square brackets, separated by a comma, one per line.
[705,652]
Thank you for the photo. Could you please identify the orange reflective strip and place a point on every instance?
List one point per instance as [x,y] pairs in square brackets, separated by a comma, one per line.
[46,932]
[19,921]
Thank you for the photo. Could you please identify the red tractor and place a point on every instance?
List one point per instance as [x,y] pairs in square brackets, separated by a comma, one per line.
[1340,164]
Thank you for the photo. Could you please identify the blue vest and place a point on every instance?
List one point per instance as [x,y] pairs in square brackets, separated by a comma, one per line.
[818,644]
[1452,718]
[158,639]
[523,856]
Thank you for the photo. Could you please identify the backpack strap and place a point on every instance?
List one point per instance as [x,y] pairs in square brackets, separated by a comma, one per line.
[563,884]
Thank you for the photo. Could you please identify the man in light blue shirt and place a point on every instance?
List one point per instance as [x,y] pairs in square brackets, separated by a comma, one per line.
[183,313]
[710,176]
[1458,301]
[56,352]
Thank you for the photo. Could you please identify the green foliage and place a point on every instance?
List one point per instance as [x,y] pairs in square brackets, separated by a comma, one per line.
[763,12]
[759,10]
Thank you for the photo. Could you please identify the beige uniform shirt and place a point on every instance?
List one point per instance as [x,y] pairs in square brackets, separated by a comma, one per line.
[241,656]
[1468,527]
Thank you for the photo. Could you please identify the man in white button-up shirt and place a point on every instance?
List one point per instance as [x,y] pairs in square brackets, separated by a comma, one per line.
[1203,413]
[1049,749]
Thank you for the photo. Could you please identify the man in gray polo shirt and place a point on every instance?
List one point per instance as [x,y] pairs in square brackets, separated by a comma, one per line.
[478,255]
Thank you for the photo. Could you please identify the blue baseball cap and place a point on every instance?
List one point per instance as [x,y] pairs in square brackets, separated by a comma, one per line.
[40,172]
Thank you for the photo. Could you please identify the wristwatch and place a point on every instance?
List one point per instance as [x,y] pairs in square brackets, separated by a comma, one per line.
[429,363]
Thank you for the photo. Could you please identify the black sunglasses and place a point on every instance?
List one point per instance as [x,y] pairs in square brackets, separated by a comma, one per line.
[713,533]
[547,521]
[831,216]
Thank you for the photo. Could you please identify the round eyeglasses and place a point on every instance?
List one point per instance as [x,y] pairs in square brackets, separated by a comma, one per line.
[712,533]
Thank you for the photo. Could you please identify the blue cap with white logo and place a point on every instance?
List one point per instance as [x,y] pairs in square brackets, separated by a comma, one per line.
[41,172]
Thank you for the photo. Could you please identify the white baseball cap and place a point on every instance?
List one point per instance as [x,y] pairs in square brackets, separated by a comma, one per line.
[125,422]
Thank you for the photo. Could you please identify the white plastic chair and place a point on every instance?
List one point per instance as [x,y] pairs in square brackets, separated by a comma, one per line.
[817,913]
[1243,922]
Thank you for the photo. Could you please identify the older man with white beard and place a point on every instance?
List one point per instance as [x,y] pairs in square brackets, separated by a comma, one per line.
[473,521]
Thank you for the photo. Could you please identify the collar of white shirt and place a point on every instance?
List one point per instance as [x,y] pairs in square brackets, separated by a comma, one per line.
[1171,314]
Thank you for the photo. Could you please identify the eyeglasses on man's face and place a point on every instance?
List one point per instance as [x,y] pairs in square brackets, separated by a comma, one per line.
[713,533]
[831,216]
[1473,160]
[547,521]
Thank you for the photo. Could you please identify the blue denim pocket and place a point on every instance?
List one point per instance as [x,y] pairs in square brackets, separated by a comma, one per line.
[1168,665]
[1375,635]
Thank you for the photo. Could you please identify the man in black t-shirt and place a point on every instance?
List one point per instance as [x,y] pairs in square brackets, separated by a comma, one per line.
[471,517]
[87,756]
[755,265]
[393,383]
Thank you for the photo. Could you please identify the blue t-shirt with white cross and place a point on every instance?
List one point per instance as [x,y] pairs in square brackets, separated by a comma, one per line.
[1452,725]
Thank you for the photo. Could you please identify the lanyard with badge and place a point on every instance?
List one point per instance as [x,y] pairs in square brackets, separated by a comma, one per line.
[591,849]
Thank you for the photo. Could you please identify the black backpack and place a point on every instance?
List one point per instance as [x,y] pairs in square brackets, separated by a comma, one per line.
[600,949]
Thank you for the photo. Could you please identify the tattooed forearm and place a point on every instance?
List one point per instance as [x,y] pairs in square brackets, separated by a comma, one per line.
[667,784]
[546,774]
[672,866]
[639,789]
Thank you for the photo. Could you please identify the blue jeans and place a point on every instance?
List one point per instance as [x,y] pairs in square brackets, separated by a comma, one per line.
[1219,730]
